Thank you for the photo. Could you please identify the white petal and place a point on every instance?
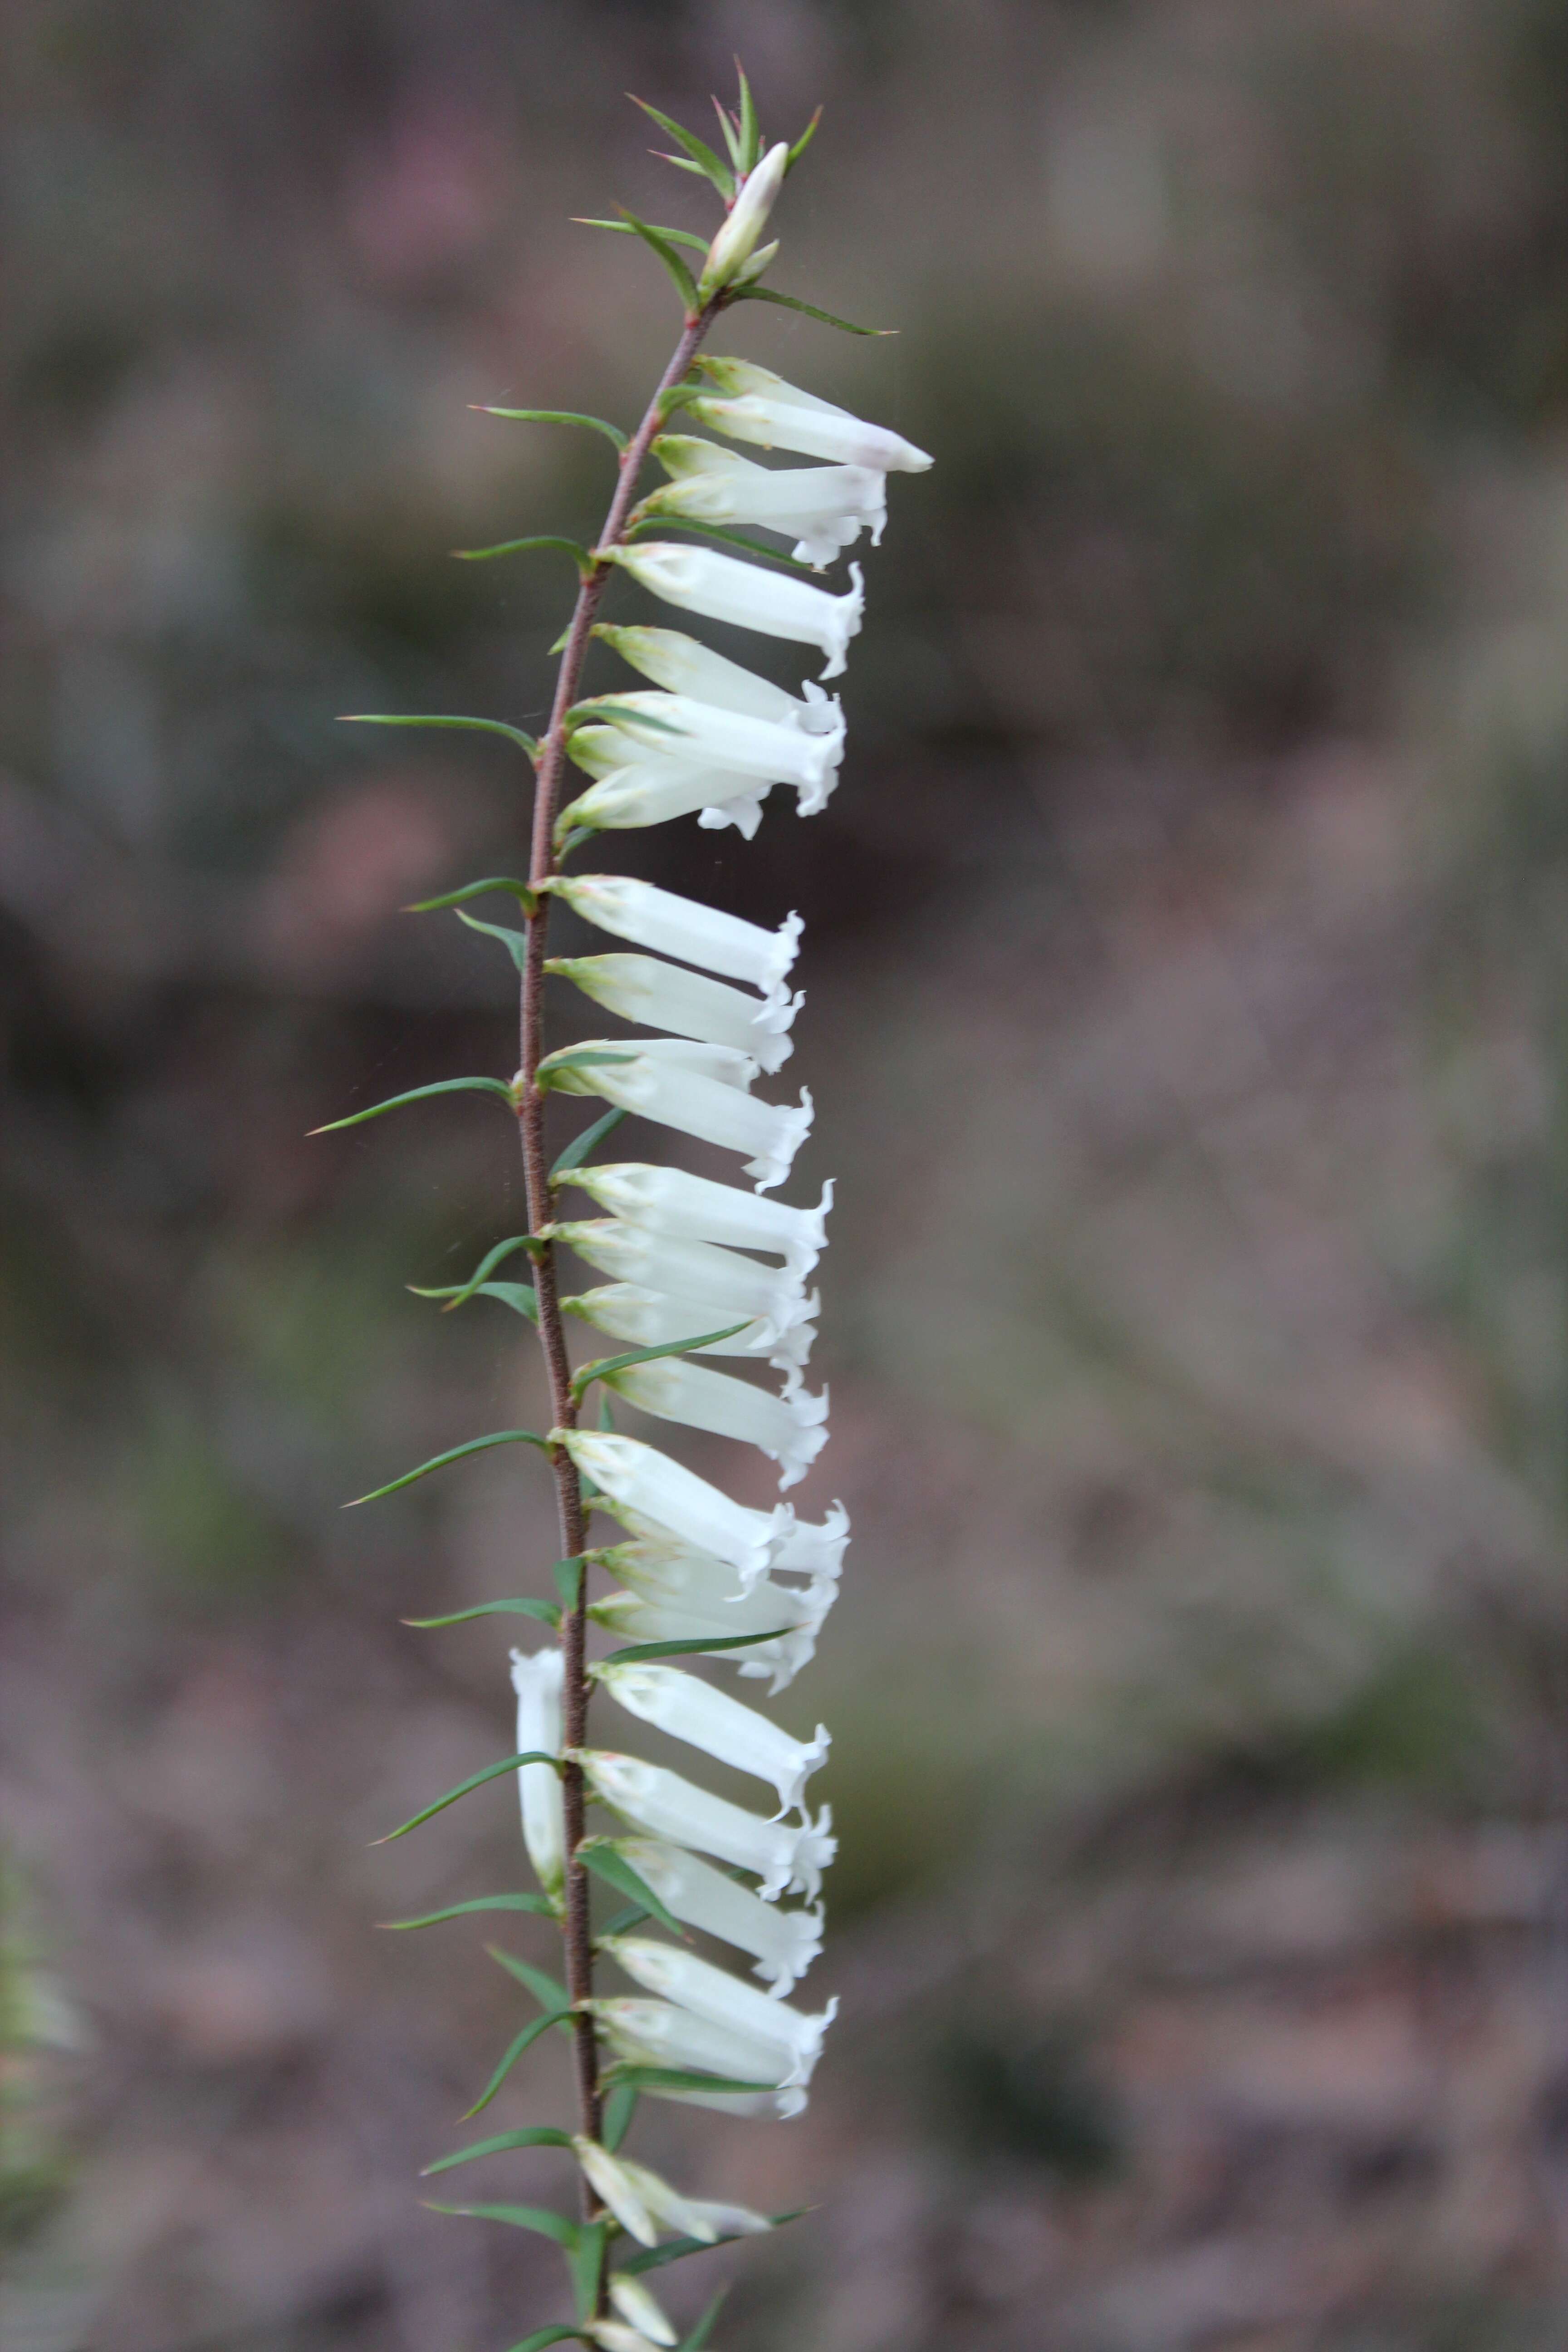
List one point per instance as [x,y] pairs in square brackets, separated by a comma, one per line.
[694,1208]
[784,1942]
[754,405]
[649,790]
[683,665]
[635,2303]
[704,1717]
[749,594]
[816,1550]
[726,2001]
[680,729]
[645,1319]
[738,233]
[676,1499]
[615,2335]
[667,996]
[536,1677]
[791,1429]
[678,1091]
[782,1854]
[824,508]
[728,1288]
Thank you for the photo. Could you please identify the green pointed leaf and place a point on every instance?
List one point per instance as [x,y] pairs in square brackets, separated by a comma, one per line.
[619,2108]
[603,709]
[514,943]
[704,2327]
[535,2136]
[656,525]
[475,1781]
[640,1649]
[660,242]
[589,2264]
[576,1152]
[599,1855]
[606,1367]
[579,554]
[632,1917]
[802,144]
[751,128]
[519,890]
[624,228]
[453,1454]
[679,2078]
[522,2217]
[481,1273]
[788,302]
[557,416]
[540,1903]
[545,1611]
[543,2336]
[606,1418]
[524,2041]
[729,127]
[520,1297]
[702,158]
[548,1992]
[562,642]
[568,1575]
[576,1057]
[525,742]
[574,839]
[422,1094]
[654,2258]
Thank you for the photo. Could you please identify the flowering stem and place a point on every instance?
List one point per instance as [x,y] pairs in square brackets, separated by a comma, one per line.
[530,1120]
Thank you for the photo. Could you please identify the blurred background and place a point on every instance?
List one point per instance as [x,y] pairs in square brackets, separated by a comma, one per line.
[1188,974]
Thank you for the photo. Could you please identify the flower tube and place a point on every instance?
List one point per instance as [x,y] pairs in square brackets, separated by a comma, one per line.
[657,1087]
[676,727]
[694,1208]
[682,664]
[789,1429]
[659,1565]
[782,1854]
[650,791]
[658,2033]
[647,1319]
[693,1711]
[724,2001]
[640,2308]
[784,1942]
[749,594]
[644,2204]
[537,1677]
[752,403]
[667,996]
[650,1483]
[728,1288]
[823,508]
[637,1617]
[684,928]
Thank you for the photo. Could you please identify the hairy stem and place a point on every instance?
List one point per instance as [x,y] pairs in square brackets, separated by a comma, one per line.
[530,1120]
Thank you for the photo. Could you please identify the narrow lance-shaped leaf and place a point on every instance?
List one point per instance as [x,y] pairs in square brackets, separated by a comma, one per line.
[603,1366]
[632,1917]
[659,525]
[547,1990]
[522,2041]
[675,2249]
[514,943]
[525,742]
[624,228]
[520,1297]
[749,128]
[729,126]
[789,302]
[664,245]
[587,2265]
[422,1094]
[539,1903]
[540,2337]
[620,2107]
[700,154]
[572,547]
[545,1611]
[556,416]
[522,2217]
[533,2135]
[482,1272]
[617,1872]
[475,1781]
[568,1575]
[507,882]
[641,1649]
[583,1145]
[802,144]
[600,709]
[704,2327]
[678,2078]
[453,1454]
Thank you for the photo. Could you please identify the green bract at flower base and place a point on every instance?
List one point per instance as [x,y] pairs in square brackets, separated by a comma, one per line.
[699,1268]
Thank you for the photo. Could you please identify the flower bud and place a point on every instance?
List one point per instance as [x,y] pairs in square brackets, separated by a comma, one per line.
[737,239]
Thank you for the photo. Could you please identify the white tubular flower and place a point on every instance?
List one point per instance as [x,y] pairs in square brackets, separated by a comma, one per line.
[737,239]
[667,996]
[784,1942]
[770,2107]
[750,594]
[710,1720]
[726,2001]
[679,728]
[785,1856]
[650,1483]
[673,925]
[791,1429]
[660,2033]
[726,1286]
[754,404]
[817,1552]
[645,1319]
[537,1680]
[824,507]
[640,2308]
[650,791]
[693,1208]
[634,1617]
[662,1569]
[644,2204]
[679,1092]
[683,665]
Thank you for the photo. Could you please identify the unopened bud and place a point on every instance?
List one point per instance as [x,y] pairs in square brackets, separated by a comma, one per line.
[737,239]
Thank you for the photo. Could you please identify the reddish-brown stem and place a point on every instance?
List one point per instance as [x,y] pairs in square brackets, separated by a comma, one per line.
[536,1179]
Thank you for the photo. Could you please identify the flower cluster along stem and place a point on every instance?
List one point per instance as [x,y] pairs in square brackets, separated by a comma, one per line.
[543,862]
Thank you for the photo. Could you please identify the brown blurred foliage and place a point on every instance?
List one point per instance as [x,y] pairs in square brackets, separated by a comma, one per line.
[1186,961]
